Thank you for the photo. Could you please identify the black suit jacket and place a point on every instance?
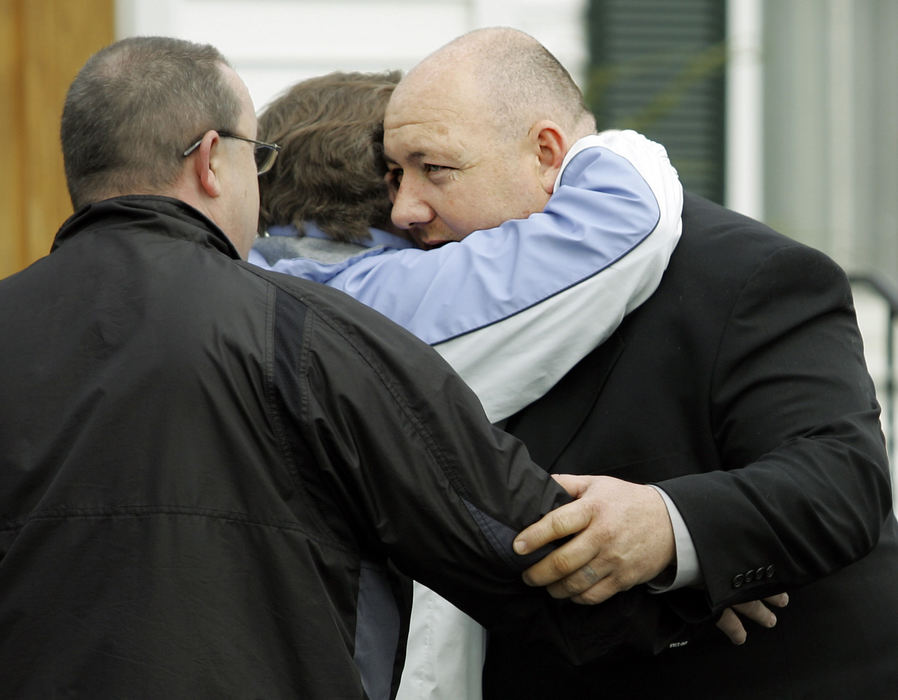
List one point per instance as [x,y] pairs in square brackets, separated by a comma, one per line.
[741,389]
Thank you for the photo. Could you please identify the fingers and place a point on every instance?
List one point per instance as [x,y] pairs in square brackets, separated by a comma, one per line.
[588,585]
[567,568]
[581,580]
[757,612]
[600,592]
[780,600]
[559,523]
[593,582]
[730,624]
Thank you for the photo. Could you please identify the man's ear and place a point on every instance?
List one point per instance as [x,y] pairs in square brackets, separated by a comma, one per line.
[205,164]
[552,146]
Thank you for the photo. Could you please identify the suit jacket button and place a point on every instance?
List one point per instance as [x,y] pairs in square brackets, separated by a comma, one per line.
[770,570]
[760,573]
[749,576]
[738,580]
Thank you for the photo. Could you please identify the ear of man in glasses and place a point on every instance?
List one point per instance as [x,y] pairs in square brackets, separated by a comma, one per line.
[264,153]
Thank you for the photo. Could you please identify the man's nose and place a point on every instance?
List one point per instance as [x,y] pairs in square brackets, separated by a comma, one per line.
[409,208]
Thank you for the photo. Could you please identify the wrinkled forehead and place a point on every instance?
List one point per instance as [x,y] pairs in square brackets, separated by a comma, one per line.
[426,115]
[424,131]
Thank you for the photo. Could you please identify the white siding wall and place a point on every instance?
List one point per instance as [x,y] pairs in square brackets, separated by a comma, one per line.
[274,43]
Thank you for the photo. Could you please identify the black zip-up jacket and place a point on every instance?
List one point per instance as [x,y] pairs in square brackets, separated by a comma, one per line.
[205,468]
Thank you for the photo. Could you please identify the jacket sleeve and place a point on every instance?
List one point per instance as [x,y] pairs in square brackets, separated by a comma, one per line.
[804,484]
[423,478]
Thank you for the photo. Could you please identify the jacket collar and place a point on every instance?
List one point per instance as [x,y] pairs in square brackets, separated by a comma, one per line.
[161,215]
[376,237]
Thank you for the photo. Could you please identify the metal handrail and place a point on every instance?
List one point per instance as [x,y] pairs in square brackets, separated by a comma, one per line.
[886,290]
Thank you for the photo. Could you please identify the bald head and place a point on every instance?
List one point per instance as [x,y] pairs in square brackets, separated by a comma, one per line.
[508,78]
[476,135]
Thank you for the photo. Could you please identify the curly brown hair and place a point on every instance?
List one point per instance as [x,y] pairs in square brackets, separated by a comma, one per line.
[330,169]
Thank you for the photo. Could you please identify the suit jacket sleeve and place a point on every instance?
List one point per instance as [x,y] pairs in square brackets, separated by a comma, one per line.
[803,486]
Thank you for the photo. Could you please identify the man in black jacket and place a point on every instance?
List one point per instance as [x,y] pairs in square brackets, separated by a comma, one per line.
[206,469]
[739,389]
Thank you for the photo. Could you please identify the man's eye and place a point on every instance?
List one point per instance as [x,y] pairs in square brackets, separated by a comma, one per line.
[431,168]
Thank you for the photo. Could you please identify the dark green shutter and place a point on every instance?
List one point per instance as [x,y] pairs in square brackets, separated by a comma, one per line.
[657,66]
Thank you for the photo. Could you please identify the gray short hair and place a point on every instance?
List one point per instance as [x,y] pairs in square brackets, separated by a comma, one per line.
[134,108]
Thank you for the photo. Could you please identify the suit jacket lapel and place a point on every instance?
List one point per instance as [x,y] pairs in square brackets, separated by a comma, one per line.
[549,424]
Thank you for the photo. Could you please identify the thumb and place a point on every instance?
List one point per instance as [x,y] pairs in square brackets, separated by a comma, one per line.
[574,484]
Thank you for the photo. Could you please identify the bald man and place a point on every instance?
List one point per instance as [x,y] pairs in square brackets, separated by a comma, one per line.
[739,390]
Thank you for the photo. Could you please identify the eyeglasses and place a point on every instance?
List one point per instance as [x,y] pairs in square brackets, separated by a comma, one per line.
[265,153]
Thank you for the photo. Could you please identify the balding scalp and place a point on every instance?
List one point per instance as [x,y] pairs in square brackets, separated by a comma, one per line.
[517,77]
